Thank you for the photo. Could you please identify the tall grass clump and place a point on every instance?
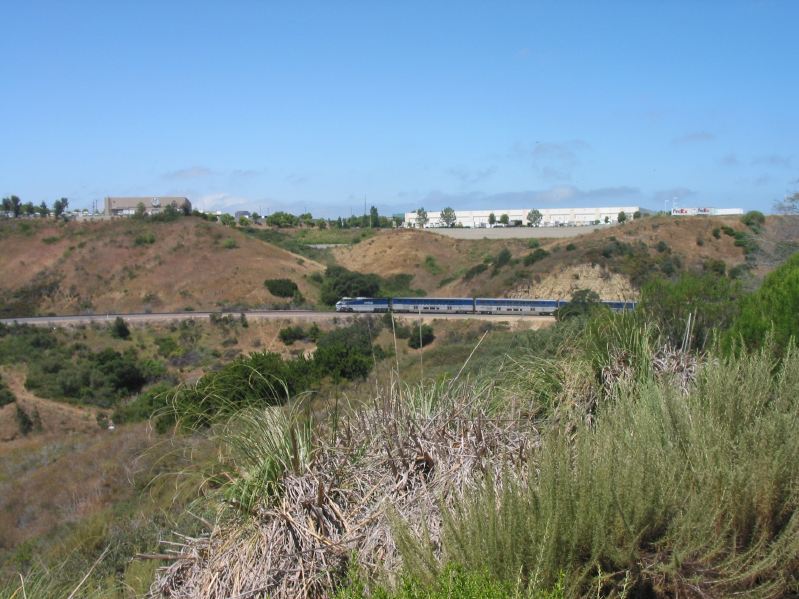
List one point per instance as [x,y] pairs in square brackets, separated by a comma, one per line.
[257,447]
[667,492]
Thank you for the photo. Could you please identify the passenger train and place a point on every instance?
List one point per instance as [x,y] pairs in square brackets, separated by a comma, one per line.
[461,305]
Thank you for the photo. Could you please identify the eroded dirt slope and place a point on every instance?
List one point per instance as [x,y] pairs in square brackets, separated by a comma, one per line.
[126,266]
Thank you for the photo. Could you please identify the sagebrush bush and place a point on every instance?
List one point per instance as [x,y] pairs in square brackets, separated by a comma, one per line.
[663,492]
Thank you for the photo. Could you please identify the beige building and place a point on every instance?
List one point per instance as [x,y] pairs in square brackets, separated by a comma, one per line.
[126,206]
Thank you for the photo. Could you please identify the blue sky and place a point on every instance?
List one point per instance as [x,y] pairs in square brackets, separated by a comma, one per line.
[320,106]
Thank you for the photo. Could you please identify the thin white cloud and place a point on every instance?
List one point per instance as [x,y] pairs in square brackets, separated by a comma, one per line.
[553,161]
[297,178]
[776,160]
[469,176]
[192,172]
[694,137]
[730,160]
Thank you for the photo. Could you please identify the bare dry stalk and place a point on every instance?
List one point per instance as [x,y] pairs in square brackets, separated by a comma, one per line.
[409,455]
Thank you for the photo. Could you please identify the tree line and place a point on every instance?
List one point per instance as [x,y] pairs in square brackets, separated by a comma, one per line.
[15,208]
[283,220]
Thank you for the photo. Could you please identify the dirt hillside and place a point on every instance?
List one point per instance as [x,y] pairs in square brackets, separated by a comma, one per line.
[610,260]
[126,266]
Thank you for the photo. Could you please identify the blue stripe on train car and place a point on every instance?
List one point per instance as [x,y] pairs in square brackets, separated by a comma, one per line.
[448,301]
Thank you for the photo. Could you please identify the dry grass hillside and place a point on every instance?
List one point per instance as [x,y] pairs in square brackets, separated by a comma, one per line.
[611,261]
[126,266]
[430,257]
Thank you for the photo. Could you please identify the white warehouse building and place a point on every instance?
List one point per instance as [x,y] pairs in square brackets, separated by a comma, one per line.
[550,217]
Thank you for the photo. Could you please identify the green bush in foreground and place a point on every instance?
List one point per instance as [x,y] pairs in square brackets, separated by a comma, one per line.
[452,583]
[772,309]
[664,494]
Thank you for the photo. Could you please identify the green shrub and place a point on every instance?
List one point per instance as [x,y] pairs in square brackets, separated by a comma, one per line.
[570,247]
[167,346]
[746,242]
[281,287]
[474,271]
[146,405]
[772,309]
[398,285]
[6,396]
[535,256]
[72,373]
[452,583]
[729,231]
[340,282]
[711,299]
[533,243]
[230,244]
[421,337]
[582,302]
[754,219]
[662,246]
[288,335]
[616,248]
[738,272]
[718,267]
[28,423]
[346,353]
[717,233]
[120,329]
[432,266]
[266,379]
[147,238]
[605,507]
[503,257]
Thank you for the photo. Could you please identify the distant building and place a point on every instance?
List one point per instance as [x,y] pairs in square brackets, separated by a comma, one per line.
[244,213]
[550,217]
[126,206]
[706,211]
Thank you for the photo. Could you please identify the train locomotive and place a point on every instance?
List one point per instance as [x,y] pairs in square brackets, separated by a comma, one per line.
[462,305]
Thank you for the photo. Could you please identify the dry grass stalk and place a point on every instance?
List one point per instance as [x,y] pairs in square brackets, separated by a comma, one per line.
[408,455]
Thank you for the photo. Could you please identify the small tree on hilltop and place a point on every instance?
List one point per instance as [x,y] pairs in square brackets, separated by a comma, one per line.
[492,219]
[60,206]
[16,205]
[421,218]
[622,218]
[504,219]
[448,216]
[534,218]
